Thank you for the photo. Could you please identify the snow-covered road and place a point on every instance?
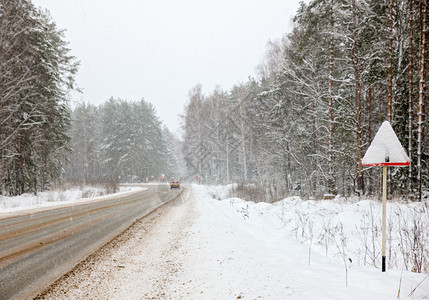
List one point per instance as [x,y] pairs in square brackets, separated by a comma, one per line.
[202,248]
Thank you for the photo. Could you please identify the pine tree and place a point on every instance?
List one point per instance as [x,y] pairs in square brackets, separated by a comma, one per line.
[36,72]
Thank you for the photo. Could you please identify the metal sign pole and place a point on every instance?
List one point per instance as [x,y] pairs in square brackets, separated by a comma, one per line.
[383,246]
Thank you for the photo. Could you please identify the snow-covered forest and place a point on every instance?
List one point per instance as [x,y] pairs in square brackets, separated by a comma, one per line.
[121,141]
[324,90]
[36,72]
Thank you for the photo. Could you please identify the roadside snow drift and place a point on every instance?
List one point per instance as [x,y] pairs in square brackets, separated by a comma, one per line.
[274,251]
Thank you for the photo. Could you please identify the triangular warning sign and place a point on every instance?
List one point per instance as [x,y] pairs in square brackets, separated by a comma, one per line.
[385,149]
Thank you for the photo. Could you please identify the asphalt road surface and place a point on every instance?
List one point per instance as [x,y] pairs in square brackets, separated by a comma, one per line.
[37,248]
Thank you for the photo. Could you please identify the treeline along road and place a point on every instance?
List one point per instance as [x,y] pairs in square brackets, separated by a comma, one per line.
[37,247]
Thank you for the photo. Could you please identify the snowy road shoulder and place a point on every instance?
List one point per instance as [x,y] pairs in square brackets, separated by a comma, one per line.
[142,263]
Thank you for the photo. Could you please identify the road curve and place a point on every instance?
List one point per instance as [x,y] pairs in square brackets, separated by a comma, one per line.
[37,248]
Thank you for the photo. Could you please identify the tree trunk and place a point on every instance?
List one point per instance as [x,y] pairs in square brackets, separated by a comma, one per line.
[243,138]
[410,97]
[331,185]
[421,104]
[358,116]
[390,65]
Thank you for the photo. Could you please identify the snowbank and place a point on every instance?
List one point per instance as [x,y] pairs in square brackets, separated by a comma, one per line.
[55,198]
[308,249]
[330,225]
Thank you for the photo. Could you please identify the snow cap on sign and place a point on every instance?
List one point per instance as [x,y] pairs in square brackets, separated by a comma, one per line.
[385,149]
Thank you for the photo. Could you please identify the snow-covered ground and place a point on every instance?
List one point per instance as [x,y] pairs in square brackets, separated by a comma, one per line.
[205,248]
[246,250]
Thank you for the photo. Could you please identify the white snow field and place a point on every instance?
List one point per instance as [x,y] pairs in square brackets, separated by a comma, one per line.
[263,251]
[205,248]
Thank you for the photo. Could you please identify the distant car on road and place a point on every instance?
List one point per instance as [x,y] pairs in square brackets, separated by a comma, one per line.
[175,185]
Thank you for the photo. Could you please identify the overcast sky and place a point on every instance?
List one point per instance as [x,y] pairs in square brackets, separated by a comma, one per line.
[159,49]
